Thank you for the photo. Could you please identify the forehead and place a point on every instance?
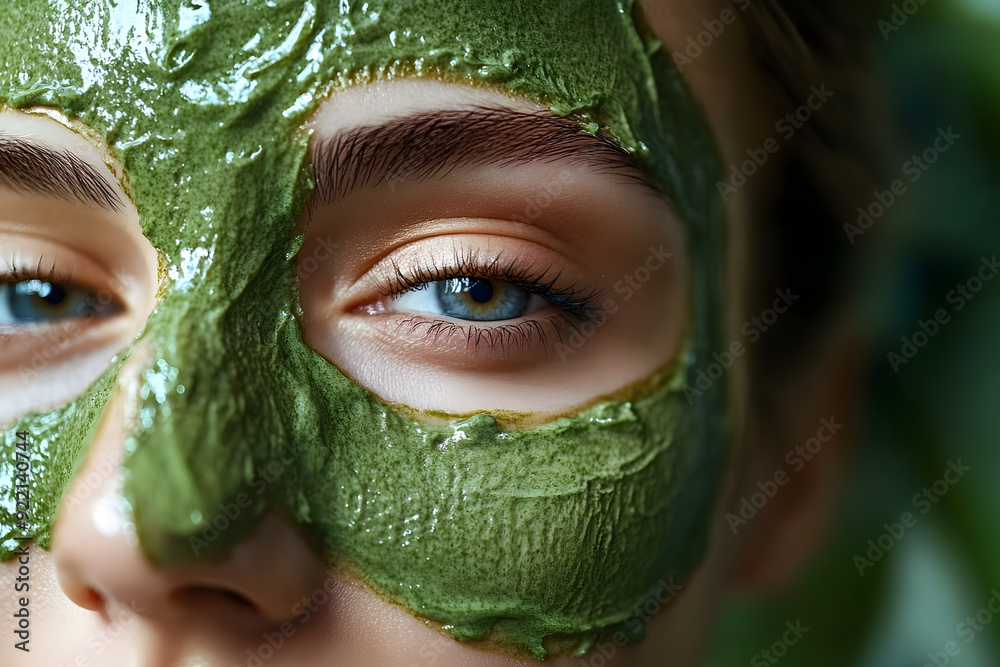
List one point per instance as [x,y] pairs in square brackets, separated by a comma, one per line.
[203,101]
[192,87]
[224,53]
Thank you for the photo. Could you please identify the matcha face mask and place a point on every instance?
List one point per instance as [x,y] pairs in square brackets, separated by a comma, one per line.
[516,535]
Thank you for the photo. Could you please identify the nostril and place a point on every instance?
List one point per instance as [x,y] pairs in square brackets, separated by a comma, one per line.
[91,599]
[238,599]
[210,596]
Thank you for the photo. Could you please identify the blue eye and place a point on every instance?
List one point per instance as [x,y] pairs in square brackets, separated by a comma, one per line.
[41,302]
[470,298]
[481,299]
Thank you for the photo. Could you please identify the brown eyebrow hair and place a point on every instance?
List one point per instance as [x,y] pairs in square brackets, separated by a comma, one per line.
[431,145]
[27,167]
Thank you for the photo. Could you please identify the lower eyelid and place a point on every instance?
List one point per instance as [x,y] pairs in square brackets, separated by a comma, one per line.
[61,343]
[503,337]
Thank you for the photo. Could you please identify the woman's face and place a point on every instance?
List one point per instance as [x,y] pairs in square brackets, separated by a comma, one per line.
[446,393]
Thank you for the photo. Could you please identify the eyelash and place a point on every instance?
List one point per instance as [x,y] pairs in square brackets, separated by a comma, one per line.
[16,274]
[574,300]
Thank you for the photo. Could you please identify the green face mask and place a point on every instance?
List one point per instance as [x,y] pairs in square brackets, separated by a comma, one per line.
[518,535]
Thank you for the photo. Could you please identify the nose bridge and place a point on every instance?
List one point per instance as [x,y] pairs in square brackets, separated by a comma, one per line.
[210,423]
[187,419]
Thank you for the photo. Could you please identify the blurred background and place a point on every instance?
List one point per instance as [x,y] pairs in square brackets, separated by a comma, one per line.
[923,601]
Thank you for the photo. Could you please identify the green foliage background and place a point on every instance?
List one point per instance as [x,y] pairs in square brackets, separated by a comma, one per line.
[940,69]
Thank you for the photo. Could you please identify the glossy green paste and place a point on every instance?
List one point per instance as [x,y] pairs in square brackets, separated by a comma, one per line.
[516,535]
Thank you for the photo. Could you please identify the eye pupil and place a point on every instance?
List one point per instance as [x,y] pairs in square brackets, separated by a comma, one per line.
[55,296]
[481,291]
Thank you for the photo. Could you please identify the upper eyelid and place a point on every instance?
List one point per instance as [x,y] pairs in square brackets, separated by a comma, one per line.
[51,262]
[534,283]
[56,273]
[474,262]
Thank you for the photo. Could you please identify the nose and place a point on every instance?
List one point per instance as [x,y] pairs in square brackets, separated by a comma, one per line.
[101,567]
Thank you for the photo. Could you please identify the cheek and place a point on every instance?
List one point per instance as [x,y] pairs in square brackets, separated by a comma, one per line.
[561,529]
[55,444]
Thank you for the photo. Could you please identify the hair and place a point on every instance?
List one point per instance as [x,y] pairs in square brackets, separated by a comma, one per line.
[829,170]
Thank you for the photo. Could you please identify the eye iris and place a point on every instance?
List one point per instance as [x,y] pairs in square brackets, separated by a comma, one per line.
[32,301]
[481,299]
[42,294]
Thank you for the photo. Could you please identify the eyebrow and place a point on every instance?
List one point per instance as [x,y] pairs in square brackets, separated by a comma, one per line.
[27,167]
[431,145]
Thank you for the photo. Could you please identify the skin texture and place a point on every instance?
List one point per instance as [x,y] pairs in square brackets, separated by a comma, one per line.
[654,455]
[208,504]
